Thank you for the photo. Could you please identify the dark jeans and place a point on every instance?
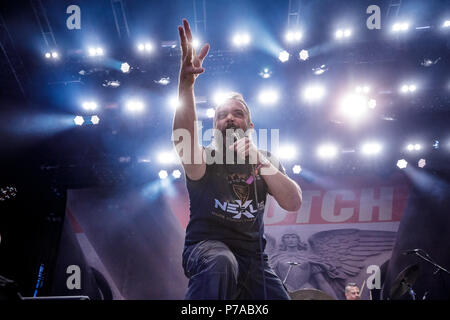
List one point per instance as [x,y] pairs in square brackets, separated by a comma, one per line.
[215,272]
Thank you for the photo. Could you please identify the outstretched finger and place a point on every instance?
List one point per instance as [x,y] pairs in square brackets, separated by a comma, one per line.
[182,41]
[187,29]
[204,52]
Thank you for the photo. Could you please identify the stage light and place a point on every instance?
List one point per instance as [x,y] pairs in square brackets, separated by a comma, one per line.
[176,174]
[327,151]
[89,105]
[210,112]
[371,148]
[293,36]
[372,103]
[95,119]
[241,39]
[303,55]
[148,47]
[286,153]
[297,169]
[174,102]
[446,24]
[78,120]
[55,55]
[362,89]
[167,158]
[408,88]
[343,33]
[134,106]
[268,97]
[400,26]
[95,51]
[313,93]
[402,163]
[283,56]
[354,106]
[48,55]
[162,174]
[125,67]
[196,43]
[220,97]
[266,73]
[141,47]
[413,147]
[436,144]
[422,163]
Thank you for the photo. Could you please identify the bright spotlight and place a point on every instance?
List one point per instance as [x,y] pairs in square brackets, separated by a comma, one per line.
[371,148]
[408,88]
[166,158]
[313,93]
[268,97]
[89,105]
[266,73]
[196,43]
[95,51]
[354,106]
[125,67]
[210,112]
[413,147]
[297,169]
[327,151]
[372,103]
[286,153]
[303,55]
[402,163]
[95,119]
[148,47]
[135,106]
[48,55]
[293,36]
[362,89]
[141,47]
[163,81]
[220,97]
[343,33]
[176,174]
[446,24]
[283,56]
[55,55]
[162,174]
[400,26]
[241,39]
[422,163]
[78,120]
[174,102]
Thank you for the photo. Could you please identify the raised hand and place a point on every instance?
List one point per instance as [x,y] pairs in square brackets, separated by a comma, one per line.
[191,63]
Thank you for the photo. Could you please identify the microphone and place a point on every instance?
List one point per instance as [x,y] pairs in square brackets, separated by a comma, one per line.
[413,251]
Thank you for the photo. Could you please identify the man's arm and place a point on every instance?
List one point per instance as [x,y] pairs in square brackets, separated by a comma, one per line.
[185,119]
[285,190]
[287,193]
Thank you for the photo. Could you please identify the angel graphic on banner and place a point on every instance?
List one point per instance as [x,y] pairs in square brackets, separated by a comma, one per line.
[328,261]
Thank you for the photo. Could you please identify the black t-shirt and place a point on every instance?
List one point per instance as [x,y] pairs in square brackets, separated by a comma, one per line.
[223,207]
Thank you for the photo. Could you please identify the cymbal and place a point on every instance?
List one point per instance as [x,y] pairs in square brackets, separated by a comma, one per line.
[309,294]
[404,281]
